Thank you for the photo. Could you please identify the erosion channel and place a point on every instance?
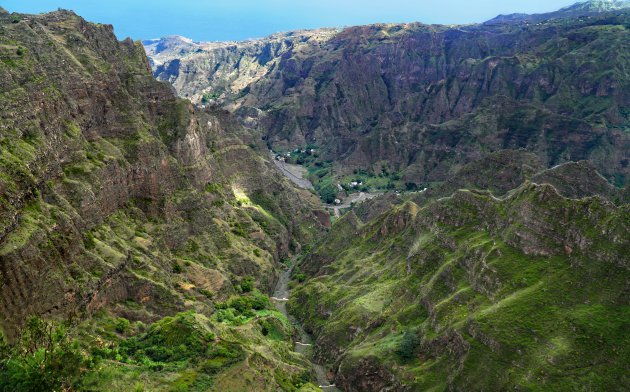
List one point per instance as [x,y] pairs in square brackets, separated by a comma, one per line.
[305,344]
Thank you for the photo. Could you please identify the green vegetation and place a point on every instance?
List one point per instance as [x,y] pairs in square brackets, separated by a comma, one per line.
[239,310]
[44,358]
[172,340]
[451,298]
[160,238]
[185,352]
[193,353]
[408,346]
[128,219]
[210,97]
[326,180]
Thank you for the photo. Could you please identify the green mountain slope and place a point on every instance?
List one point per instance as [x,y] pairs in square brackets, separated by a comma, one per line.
[140,235]
[471,292]
[121,204]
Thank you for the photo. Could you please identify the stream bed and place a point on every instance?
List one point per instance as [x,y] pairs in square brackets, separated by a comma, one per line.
[305,345]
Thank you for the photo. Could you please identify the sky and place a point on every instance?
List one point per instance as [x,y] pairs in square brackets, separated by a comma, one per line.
[226,20]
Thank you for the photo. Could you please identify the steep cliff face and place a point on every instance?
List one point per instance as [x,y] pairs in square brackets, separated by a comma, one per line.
[427,99]
[115,192]
[472,292]
[210,72]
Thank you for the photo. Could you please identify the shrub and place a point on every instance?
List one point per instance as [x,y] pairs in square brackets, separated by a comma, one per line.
[43,359]
[247,284]
[207,293]
[260,301]
[170,339]
[221,356]
[89,240]
[122,325]
[328,193]
[407,347]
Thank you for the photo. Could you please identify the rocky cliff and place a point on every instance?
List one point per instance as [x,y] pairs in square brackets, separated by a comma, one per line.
[113,190]
[426,99]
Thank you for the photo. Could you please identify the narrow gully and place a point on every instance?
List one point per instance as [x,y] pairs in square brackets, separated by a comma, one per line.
[305,345]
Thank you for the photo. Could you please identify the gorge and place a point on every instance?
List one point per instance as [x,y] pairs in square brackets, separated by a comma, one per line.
[392,207]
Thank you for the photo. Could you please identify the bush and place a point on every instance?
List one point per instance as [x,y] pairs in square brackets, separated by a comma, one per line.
[407,347]
[122,325]
[221,356]
[43,359]
[170,339]
[239,309]
[207,293]
[177,268]
[328,193]
[247,284]
[260,301]
[89,240]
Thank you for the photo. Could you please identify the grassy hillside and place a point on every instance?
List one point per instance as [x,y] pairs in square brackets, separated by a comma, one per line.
[122,206]
[471,292]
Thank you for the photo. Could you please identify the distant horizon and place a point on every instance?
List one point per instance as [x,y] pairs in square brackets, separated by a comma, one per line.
[239,20]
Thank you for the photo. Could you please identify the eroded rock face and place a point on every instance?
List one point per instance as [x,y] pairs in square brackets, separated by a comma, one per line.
[210,72]
[428,98]
[111,186]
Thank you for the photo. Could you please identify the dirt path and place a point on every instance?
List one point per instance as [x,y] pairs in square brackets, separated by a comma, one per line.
[295,173]
[356,198]
[305,343]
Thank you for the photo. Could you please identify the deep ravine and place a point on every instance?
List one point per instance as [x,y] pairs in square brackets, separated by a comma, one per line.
[305,344]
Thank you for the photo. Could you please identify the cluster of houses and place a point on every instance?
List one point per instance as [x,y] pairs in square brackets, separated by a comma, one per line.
[283,157]
[353,184]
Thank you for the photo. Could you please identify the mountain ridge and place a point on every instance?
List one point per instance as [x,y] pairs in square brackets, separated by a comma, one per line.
[142,235]
[586,8]
[128,218]
[496,78]
[403,301]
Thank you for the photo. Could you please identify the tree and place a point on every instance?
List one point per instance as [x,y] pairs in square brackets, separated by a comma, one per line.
[328,193]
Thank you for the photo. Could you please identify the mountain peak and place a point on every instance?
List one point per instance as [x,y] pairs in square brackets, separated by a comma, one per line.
[584,8]
[598,6]
[176,43]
